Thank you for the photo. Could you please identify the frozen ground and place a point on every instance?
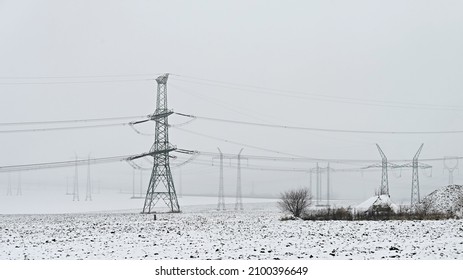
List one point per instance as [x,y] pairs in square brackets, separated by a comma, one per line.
[203,233]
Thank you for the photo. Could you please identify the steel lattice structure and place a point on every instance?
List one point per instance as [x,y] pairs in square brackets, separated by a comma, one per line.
[384,188]
[415,197]
[239,199]
[161,184]
[451,169]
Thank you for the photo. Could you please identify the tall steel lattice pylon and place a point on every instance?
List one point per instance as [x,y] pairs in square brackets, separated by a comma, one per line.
[239,199]
[221,203]
[384,188]
[451,169]
[161,184]
[415,196]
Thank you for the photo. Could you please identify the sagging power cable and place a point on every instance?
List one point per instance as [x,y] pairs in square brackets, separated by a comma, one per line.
[317,129]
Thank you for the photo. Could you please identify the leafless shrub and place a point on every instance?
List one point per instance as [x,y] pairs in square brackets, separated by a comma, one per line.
[295,202]
[342,214]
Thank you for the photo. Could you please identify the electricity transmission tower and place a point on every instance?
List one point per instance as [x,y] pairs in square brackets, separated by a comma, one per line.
[75,193]
[318,183]
[161,184]
[19,189]
[415,197]
[310,181]
[384,188]
[8,190]
[88,195]
[318,186]
[221,203]
[328,184]
[239,200]
[451,169]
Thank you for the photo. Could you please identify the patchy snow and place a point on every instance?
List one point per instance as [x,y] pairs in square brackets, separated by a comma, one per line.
[379,200]
[448,198]
[202,233]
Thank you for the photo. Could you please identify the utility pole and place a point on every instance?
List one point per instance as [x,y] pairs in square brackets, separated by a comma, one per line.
[75,194]
[384,188]
[221,203]
[239,201]
[161,184]
[415,195]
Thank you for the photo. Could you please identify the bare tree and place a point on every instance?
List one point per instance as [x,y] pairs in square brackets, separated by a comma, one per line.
[295,201]
[426,206]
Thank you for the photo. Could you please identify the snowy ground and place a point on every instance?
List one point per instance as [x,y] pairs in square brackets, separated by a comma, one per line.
[201,232]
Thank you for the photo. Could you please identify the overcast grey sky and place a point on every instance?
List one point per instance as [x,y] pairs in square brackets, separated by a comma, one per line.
[329,60]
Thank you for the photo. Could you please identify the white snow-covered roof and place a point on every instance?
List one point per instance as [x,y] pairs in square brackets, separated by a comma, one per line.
[378,200]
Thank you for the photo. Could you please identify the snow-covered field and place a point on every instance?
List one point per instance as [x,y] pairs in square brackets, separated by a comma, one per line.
[201,232]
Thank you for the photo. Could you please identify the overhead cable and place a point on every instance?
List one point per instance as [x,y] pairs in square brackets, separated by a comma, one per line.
[319,129]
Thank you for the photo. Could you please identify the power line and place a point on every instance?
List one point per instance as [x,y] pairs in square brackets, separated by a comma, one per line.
[301,158]
[61,128]
[232,142]
[74,82]
[60,164]
[315,96]
[319,129]
[71,121]
[76,76]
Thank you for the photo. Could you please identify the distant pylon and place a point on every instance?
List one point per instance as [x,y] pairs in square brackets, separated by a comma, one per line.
[75,193]
[317,185]
[8,188]
[328,184]
[161,184]
[19,189]
[88,194]
[239,200]
[415,196]
[310,181]
[384,188]
[451,169]
[221,203]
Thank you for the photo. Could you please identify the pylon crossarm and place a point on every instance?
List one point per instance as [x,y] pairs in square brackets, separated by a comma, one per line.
[153,153]
[161,115]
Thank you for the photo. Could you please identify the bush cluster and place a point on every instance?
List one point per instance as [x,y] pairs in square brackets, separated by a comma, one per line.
[376,214]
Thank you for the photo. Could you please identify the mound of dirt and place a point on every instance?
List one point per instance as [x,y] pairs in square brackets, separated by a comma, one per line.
[448,198]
